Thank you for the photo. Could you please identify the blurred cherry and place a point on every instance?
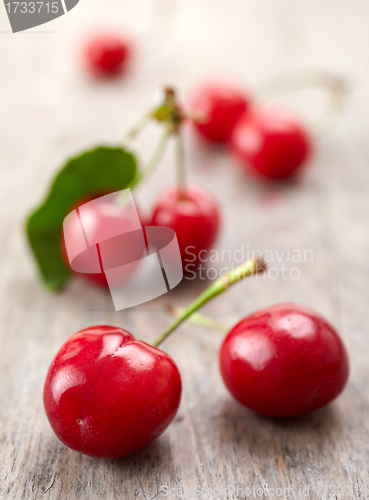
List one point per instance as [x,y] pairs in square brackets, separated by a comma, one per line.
[271,142]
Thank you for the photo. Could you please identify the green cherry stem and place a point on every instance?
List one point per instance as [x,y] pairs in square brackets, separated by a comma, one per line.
[181,170]
[197,319]
[169,114]
[335,86]
[136,129]
[247,269]
[157,155]
[203,320]
[154,160]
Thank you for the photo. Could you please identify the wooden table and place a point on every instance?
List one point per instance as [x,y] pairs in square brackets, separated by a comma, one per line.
[50,110]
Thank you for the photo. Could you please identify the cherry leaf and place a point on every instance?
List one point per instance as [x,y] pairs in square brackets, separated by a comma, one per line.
[94,173]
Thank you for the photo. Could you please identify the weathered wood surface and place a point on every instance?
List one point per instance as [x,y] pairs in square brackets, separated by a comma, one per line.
[49,111]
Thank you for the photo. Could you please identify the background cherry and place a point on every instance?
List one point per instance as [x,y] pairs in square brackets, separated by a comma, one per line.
[219,106]
[107,54]
[271,142]
[284,361]
[193,213]
[108,395]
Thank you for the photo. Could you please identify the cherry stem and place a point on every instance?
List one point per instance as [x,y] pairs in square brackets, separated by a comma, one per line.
[198,319]
[170,115]
[154,160]
[336,87]
[181,170]
[247,269]
[136,129]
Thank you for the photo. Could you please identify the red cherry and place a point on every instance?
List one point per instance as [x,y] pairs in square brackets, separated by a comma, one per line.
[108,395]
[107,55]
[193,214]
[284,361]
[271,142]
[103,220]
[219,106]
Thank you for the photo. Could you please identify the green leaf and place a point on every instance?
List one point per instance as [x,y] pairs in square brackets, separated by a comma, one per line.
[94,173]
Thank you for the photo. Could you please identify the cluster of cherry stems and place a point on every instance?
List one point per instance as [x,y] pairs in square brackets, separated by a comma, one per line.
[107,394]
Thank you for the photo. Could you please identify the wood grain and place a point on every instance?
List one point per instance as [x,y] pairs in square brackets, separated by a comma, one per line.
[50,110]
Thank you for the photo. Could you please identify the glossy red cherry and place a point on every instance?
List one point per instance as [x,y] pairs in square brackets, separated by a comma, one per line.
[107,54]
[218,107]
[108,395]
[284,361]
[102,220]
[271,142]
[194,215]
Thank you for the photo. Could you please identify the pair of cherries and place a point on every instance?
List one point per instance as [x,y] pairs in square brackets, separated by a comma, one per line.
[192,212]
[108,395]
[267,140]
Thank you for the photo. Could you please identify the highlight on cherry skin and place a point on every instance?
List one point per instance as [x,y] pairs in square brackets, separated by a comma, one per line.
[270,142]
[216,108]
[107,395]
[107,54]
[284,361]
[193,214]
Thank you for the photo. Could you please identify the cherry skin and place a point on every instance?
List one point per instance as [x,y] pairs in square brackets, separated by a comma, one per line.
[100,220]
[270,142]
[107,395]
[284,361]
[219,106]
[107,55]
[194,216]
